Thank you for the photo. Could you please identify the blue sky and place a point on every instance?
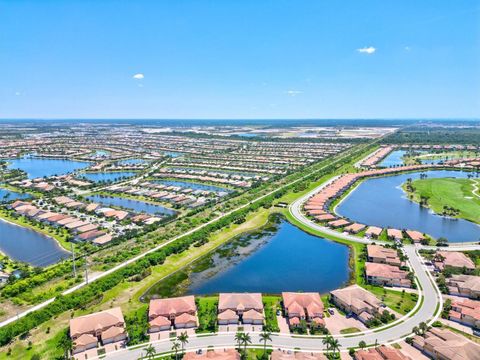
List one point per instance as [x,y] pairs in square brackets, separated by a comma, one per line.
[239,59]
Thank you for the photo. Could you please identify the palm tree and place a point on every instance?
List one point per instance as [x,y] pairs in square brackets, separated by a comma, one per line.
[335,346]
[416,330]
[175,348]
[328,342]
[150,352]
[265,336]
[66,345]
[183,338]
[238,339]
[246,339]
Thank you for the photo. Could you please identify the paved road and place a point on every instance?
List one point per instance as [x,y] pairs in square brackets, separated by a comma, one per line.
[394,332]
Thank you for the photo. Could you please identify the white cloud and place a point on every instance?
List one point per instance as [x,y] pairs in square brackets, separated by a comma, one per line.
[138,76]
[293,92]
[18,93]
[407,48]
[367,50]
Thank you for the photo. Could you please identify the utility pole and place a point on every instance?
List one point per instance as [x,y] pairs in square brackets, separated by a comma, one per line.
[73,258]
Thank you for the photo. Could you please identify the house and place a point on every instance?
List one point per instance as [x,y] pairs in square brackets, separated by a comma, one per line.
[226,354]
[244,307]
[394,234]
[416,236]
[386,275]
[354,228]
[453,259]
[291,355]
[382,255]
[102,328]
[356,300]
[381,353]
[446,345]
[464,285]
[466,312]
[303,306]
[179,312]
[338,223]
[373,232]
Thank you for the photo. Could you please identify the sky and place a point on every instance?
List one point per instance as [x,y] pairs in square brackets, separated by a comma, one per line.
[244,59]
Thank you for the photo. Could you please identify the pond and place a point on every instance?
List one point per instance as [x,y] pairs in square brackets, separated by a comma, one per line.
[39,167]
[192,185]
[9,195]
[27,245]
[382,202]
[279,257]
[393,159]
[108,176]
[134,205]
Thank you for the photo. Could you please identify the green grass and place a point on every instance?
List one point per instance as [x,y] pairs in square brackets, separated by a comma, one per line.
[271,305]
[350,330]
[207,313]
[395,300]
[455,193]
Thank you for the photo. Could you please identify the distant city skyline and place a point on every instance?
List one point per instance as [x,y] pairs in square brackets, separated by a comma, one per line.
[206,59]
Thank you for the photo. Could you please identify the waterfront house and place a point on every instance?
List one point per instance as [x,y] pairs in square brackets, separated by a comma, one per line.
[102,240]
[179,312]
[303,306]
[244,307]
[354,228]
[338,223]
[4,277]
[394,234]
[386,275]
[382,255]
[445,345]
[226,354]
[464,285]
[415,236]
[466,312]
[292,355]
[102,328]
[373,232]
[453,259]
[356,300]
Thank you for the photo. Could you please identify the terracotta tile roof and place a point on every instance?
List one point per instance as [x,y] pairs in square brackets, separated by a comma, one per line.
[172,306]
[240,301]
[96,322]
[290,355]
[227,354]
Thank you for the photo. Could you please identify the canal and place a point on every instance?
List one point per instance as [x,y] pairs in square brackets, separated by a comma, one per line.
[133,205]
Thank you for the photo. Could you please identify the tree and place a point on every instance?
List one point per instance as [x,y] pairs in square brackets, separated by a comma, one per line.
[150,352]
[362,344]
[183,338]
[238,339]
[335,346]
[327,341]
[246,339]
[265,336]
[175,348]
[416,330]
[65,344]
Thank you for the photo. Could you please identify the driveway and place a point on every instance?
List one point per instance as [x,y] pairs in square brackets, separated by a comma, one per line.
[337,322]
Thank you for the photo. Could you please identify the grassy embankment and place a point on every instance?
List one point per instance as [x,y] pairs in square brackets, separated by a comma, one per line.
[458,198]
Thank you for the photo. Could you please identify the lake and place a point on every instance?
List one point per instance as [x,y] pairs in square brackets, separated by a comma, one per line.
[382,202]
[134,205]
[27,245]
[8,195]
[40,167]
[278,258]
[393,159]
[108,176]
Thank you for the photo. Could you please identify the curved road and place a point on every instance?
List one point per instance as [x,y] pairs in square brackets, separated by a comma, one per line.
[427,310]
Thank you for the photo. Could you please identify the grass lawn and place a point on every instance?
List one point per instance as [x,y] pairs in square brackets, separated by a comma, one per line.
[350,330]
[207,313]
[395,300]
[456,193]
[271,305]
